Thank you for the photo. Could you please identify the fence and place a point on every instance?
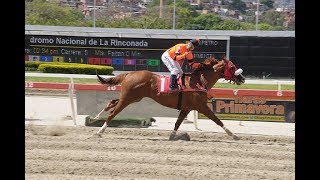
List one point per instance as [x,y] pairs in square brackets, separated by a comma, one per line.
[241,104]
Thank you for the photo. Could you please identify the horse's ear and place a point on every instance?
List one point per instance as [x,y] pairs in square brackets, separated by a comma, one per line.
[215,61]
[218,65]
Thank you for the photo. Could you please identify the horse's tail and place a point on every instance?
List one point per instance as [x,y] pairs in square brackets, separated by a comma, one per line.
[113,80]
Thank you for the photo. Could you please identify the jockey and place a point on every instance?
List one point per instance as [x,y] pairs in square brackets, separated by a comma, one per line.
[173,58]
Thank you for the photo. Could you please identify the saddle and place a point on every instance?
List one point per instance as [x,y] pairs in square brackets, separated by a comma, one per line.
[163,85]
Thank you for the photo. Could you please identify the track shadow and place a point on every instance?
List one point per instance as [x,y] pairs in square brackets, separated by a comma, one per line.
[28,119]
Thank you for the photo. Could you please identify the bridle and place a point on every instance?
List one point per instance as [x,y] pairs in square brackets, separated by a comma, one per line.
[203,80]
[225,72]
[224,68]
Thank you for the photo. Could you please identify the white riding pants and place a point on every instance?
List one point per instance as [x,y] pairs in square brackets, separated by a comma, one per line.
[173,66]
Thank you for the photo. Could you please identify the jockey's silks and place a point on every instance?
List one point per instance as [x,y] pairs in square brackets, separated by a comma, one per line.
[180,49]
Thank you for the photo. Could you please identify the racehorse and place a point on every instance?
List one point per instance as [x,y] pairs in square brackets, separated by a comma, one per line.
[136,85]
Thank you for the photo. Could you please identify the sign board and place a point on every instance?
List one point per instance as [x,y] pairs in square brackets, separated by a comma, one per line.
[117,51]
[253,105]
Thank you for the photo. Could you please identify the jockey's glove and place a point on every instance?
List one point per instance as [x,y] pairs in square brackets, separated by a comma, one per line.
[186,54]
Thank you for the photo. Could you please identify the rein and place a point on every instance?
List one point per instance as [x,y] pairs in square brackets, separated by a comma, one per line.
[203,80]
[203,84]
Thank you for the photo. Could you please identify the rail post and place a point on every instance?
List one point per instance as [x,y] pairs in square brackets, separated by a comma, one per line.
[71,89]
[193,116]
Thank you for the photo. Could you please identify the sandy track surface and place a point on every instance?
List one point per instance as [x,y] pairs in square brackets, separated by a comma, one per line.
[56,152]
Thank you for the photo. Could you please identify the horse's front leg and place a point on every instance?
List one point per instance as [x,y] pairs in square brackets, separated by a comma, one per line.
[183,114]
[205,110]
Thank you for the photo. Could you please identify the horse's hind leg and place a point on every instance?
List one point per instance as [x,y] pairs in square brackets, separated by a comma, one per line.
[182,115]
[205,110]
[110,105]
[119,106]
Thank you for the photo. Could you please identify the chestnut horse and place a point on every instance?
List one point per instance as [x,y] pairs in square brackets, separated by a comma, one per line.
[139,84]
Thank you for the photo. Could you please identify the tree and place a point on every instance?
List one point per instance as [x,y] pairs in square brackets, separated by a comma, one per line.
[228,24]
[51,12]
[268,3]
[42,12]
[184,13]
[265,27]
[204,22]
[183,18]
[247,26]
[273,18]
[179,3]
[153,23]
[238,5]
[153,13]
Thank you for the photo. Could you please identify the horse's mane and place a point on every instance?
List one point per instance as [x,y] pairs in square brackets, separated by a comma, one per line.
[210,61]
[206,64]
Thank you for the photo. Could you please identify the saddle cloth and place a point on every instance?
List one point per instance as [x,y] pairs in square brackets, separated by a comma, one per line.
[164,83]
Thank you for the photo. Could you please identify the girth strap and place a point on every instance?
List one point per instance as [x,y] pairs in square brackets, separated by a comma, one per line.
[179,100]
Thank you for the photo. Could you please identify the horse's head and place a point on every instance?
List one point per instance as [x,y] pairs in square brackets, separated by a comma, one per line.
[224,69]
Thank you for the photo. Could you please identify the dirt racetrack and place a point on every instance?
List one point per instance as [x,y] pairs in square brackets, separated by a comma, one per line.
[56,152]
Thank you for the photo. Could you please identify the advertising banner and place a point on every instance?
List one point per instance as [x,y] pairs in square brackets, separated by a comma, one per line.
[259,106]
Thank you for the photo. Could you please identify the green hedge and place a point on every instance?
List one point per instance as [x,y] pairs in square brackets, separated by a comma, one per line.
[68,68]
[33,65]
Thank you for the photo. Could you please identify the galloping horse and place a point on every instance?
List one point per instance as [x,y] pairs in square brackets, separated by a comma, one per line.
[139,84]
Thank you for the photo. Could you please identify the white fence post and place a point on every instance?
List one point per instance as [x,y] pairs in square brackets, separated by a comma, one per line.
[71,88]
[279,93]
[193,116]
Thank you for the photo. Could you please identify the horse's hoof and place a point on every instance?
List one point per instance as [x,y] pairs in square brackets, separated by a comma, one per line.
[172,137]
[183,136]
[236,137]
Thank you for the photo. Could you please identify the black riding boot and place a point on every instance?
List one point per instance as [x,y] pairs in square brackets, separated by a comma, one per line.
[173,83]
